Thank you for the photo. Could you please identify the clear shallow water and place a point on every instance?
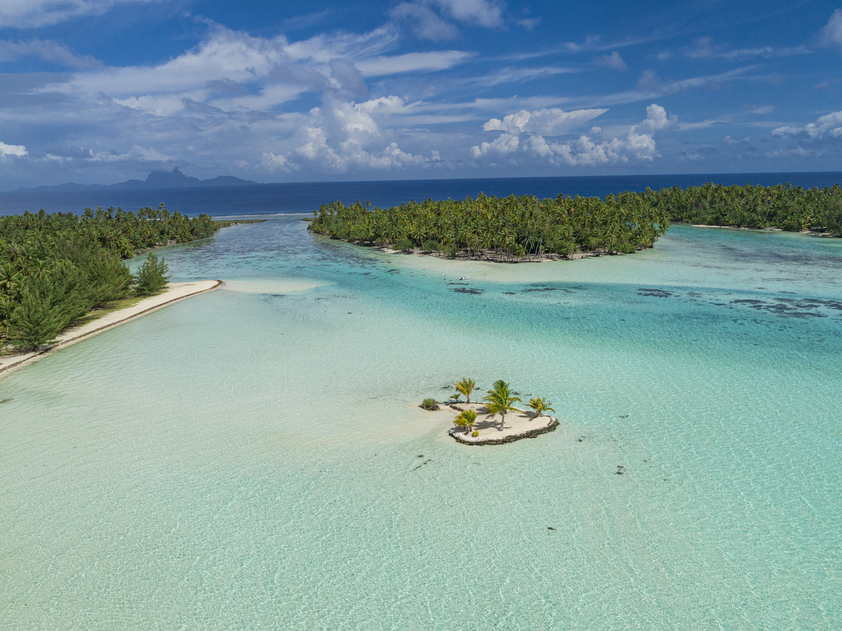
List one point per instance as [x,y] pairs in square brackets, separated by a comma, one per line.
[253,458]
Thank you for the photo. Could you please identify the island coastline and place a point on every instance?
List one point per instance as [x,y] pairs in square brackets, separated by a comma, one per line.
[518,425]
[175,292]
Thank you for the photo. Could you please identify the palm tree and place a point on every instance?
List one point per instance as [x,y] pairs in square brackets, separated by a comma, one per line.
[466,419]
[466,386]
[540,406]
[500,401]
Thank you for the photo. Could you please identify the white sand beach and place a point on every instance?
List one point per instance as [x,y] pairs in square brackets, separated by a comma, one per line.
[487,426]
[173,293]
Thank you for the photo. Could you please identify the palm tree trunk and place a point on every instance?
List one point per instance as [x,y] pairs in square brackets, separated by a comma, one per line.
[502,421]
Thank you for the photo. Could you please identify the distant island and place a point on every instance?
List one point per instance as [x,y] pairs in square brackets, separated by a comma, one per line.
[156,179]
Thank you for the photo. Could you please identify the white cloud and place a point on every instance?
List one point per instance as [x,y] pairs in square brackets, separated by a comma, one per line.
[551,122]
[425,22]
[46,50]
[135,154]
[656,118]
[36,13]
[482,12]
[613,61]
[12,150]
[412,62]
[831,33]
[272,162]
[503,144]
[637,143]
[828,124]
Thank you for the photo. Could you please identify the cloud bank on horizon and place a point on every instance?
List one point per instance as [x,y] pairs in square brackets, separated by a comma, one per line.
[99,91]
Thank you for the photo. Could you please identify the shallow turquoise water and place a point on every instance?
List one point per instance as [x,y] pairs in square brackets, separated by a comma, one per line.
[252,457]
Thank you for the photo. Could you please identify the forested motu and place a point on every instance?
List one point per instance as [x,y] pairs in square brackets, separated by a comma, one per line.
[523,228]
[55,268]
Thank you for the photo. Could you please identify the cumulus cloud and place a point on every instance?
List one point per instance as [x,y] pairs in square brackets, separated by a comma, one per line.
[830,124]
[591,149]
[613,61]
[831,33]
[551,122]
[503,144]
[342,136]
[270,161]
[12,150]
[36,13]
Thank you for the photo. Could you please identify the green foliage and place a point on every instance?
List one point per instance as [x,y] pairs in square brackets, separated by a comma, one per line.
[80,259]
[831,218]
[518,228]
[403,244]
[466,420]
[38,317]
[784,206]
[151,276]
[430,404]
[466,387]
[540,406]
[510,228]
[500,400]
[430,245]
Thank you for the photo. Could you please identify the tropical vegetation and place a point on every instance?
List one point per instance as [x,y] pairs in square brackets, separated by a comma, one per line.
[540,406]
[466,387]
[527,228]
[504,229]
[500,400]
[787,207]
[430,404]
[466,420]
[151,277]
[56,268]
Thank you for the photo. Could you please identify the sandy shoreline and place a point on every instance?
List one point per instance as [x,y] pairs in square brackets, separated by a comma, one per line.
[518,425]
[173,293]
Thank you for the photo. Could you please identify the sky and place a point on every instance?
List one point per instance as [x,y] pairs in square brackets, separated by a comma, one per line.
[100,91]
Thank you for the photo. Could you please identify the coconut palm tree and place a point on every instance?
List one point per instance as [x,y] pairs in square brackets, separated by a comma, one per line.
[466,419]
[540,406]
[500,401]
[466,386]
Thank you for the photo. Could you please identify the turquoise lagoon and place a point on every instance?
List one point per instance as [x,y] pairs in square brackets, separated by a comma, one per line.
[254,457]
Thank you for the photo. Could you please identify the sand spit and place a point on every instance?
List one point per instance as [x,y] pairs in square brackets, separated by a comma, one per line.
[519,425]
[173,293]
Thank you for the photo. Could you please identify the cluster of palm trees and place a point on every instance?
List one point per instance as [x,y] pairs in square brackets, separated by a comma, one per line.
[57,267]
[499,400]
[509,228]
[784,206]
[520,228]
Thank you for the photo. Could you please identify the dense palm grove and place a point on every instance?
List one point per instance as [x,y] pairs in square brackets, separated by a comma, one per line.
[516,228]
[502,228]
[55,268]
[787,207]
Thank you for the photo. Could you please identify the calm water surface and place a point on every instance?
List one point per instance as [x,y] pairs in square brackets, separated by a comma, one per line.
[253,457]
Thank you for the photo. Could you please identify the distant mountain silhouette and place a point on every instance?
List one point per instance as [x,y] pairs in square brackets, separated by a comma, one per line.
[156,179]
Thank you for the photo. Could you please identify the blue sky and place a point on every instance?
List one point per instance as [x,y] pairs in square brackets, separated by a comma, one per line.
[99,91]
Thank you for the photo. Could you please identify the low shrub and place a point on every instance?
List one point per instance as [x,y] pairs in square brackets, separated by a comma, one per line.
[402,245]
[430,404]
[429,246]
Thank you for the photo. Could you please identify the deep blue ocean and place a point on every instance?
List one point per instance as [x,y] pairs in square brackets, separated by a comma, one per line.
[264,199]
